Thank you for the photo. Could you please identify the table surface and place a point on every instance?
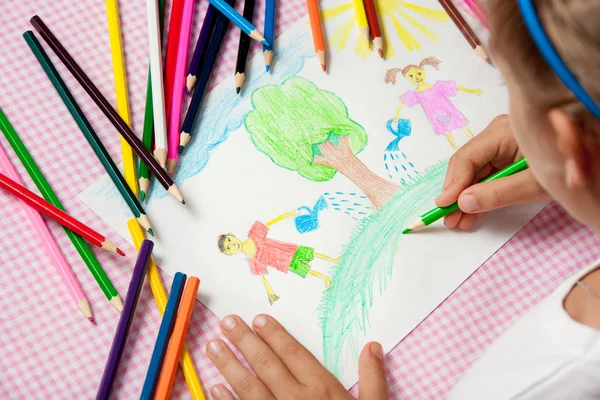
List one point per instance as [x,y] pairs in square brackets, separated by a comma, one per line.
[50,351]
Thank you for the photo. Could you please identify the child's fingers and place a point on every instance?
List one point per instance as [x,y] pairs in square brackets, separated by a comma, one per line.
[451,220]
[372,379]
[465,222]
[264,362]
[246,385]
[220,392]
[514,189]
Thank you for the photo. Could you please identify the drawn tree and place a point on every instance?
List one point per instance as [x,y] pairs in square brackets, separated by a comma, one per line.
[308,130]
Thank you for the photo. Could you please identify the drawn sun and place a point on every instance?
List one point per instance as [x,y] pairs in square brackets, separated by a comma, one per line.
[397,16]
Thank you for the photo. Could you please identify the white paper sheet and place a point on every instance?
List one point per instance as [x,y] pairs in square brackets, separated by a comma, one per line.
[386,283]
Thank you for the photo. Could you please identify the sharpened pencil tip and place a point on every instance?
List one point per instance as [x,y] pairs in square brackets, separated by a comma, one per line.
[120,252]
[91,319]
[324,67]
[142,195]
[182,201]
[407,230]
[264,41]
[267,67]
[180,149]
[238,90]
[150,231]
[380,53]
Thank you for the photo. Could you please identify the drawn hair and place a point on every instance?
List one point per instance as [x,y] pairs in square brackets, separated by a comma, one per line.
[390,75]
[221,242]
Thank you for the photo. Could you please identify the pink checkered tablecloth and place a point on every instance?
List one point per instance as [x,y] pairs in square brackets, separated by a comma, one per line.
[47,350]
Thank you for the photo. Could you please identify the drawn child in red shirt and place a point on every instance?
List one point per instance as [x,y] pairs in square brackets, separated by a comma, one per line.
[263,252]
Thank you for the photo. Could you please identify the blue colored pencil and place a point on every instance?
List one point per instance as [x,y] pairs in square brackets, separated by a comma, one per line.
[164,333]
[268,52]
[201,46]
[241,22]
[203,77]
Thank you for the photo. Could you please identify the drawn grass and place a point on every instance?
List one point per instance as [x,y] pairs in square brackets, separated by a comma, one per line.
[366,266]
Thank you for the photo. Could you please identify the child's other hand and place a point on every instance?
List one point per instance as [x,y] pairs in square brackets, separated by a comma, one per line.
[493,149]
[284,368]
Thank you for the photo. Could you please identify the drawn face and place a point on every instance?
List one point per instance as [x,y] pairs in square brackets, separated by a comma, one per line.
[415,75]
[232,245]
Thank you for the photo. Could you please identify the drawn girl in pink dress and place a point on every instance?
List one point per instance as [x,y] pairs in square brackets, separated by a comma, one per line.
[434,99]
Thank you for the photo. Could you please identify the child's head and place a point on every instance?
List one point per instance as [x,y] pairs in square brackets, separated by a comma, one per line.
[557,134]
[229,244]
[413,73]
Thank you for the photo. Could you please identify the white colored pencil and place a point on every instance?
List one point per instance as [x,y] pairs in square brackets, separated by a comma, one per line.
[156,73]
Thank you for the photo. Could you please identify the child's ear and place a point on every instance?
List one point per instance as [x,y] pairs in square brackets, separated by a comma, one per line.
[572,145]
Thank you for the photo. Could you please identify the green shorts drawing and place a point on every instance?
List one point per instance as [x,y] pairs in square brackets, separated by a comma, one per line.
[300,263]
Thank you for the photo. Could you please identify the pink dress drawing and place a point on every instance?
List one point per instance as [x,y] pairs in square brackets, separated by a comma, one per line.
[442,114]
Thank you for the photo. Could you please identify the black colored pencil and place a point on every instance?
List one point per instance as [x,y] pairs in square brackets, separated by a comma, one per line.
[242,56]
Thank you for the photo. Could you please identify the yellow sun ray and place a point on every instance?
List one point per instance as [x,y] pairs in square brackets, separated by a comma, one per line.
[426,12]
[431,35]
[331,13]
[410,42]
[362,47]
[342,34]
[388,49]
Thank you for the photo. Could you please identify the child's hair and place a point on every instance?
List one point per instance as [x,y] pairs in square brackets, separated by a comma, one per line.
[390,75]
[221,242]
[573,26]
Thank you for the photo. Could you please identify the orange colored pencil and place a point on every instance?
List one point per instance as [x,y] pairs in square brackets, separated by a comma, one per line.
[182,322]
[36,202]
[317,32]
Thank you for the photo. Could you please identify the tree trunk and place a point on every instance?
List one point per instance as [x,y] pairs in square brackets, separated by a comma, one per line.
[340,156]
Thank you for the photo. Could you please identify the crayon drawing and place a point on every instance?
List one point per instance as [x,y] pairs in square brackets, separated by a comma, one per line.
[434,99]
[307,219]
[406,19]
[397,165]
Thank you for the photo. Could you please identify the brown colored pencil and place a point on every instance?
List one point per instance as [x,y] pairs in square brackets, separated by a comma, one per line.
[464,28]
[106,107]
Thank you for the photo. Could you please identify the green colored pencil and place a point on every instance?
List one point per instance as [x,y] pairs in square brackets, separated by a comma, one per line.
[148,132]
[440,212]
[42,184]
[88,131]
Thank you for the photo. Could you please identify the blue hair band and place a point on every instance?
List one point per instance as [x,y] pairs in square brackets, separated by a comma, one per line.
[552,57]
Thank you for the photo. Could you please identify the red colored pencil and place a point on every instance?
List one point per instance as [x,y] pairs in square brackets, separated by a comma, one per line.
[374,28]
[42,206]
[171,54]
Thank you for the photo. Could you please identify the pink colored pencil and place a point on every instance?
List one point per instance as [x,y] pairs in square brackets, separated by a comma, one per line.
[63,269]
[179,84]
[475,8]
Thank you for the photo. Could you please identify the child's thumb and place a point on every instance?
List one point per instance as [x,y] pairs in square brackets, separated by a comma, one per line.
[372,380]
[504,192]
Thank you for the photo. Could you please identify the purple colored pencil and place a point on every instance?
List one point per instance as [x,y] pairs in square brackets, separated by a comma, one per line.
[201,45]
[133,294]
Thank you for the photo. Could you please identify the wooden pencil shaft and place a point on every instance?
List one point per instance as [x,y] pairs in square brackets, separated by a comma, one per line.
[315,24]
[461,25]
[156,74]
[171,54]
[244,46]
[208,26]
[101,102]
[84,125]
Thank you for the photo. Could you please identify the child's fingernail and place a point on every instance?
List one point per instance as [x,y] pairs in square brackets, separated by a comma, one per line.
[468,203]
[260,321]
[229,323]
[216,392]
[377,350]
[215,348]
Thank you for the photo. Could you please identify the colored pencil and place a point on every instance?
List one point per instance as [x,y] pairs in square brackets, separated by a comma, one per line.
[268,49]
[148,130]
[374,28]
[182,323]
[160,296]
[203,77]
[156,77]
[107,109]
[171,54]
[88,131]
[131,299]
[475,8]
[41,205]
[317,32]
[438,213]
[244,46]
[61,266]
[164,333]
[116,47]
[246,26]
[208,26]
[44,187]
[465,29]
[179,84]
[361,19]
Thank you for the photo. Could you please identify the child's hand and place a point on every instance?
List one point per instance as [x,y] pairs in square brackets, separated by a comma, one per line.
[493,149]
[284,368]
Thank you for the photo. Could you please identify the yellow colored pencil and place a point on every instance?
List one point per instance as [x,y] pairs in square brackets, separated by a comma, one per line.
[114,29]
[160,296]
[361,19]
